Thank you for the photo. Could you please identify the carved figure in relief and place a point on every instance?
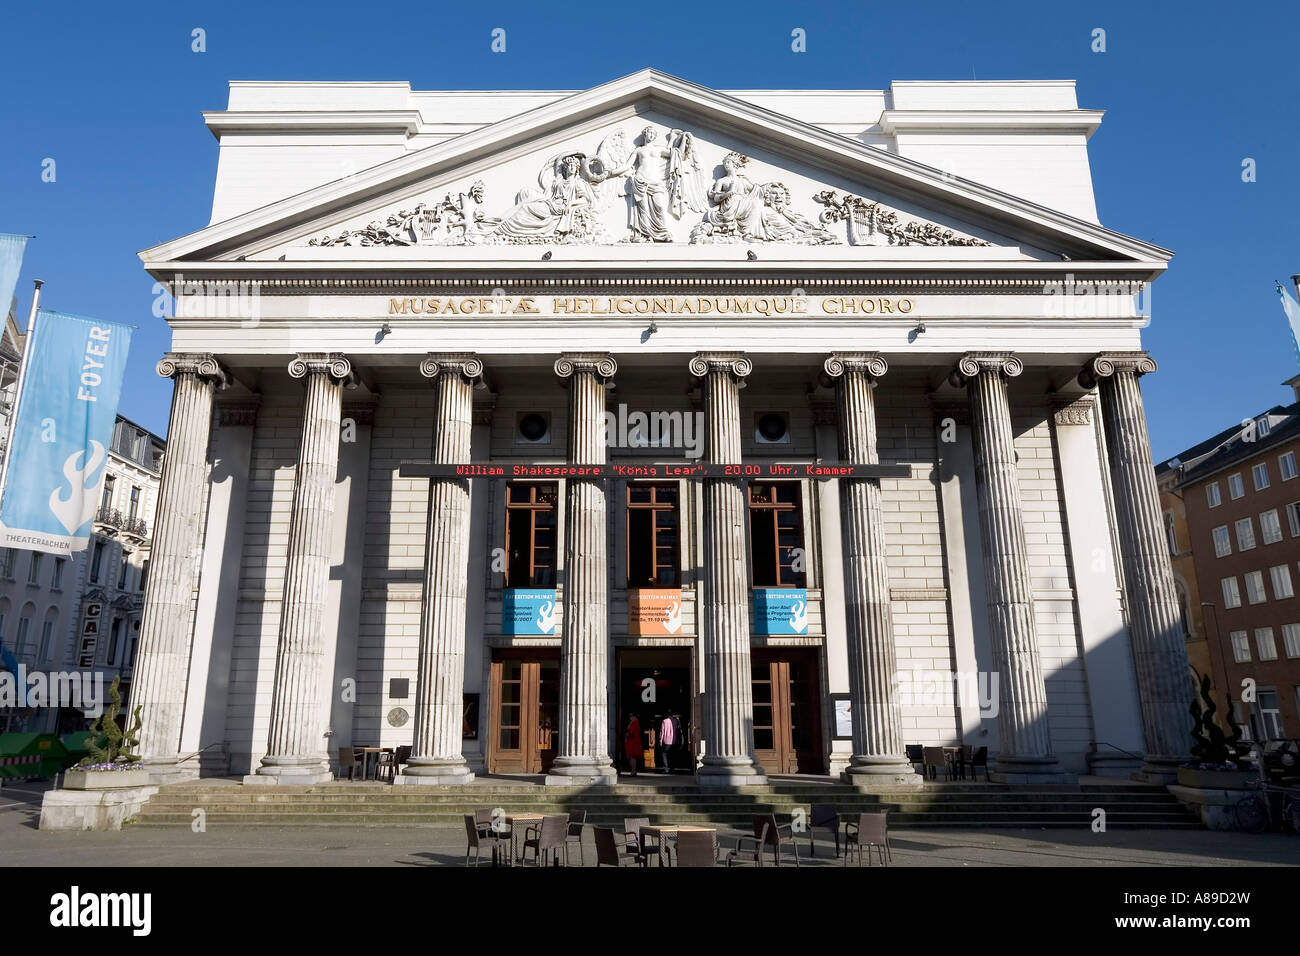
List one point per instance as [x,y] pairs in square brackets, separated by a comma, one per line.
[562,214]
[665,180]
[746,211]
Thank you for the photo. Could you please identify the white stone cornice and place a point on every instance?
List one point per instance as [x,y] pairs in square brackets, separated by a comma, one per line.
[220,122]
[1086,122]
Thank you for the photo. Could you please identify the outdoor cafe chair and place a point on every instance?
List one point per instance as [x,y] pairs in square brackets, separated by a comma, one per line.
[823,816]
[632,836]
[777,836]
[386,765]
[609,852]
[352,762]
[871,830]
[477,838]
[697,848]
[577,821]
[980,758]
[749,849]
[549,838]
[935,760]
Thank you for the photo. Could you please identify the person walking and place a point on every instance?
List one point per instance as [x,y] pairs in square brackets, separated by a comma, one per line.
[667,741]
[632,749]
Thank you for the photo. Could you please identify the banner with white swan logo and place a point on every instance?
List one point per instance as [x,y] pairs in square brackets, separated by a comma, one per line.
[66,414]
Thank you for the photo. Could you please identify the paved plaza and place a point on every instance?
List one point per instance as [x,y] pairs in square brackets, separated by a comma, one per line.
[21,844]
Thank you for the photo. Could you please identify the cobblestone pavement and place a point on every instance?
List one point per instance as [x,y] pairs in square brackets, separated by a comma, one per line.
[21,844]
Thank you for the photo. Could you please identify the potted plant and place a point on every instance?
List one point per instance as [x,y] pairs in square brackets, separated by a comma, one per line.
[1219,760]
[110,763]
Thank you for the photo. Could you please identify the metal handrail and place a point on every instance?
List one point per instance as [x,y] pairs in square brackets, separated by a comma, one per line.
[1129,753]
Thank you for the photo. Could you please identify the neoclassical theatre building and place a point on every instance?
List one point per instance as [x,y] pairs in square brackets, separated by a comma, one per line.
[803,424]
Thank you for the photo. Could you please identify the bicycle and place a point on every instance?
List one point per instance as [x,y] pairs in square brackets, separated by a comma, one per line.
[1254,812]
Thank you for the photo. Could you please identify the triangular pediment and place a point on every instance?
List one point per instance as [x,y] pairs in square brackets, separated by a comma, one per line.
[646,168]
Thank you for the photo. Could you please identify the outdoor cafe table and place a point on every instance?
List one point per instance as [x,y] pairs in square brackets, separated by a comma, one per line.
[662,832]
[522,819]
[366,758]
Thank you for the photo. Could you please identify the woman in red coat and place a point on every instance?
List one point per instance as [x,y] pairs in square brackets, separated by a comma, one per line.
[632,743]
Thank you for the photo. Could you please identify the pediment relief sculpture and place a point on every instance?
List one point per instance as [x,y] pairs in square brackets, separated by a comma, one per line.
[662,181]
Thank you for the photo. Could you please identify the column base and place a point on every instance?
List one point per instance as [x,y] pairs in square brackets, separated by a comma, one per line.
[164,770]
[290,771]
[582,772]
[1159,769]
[1031,770]
[875,773]
[730,772]
[431,771]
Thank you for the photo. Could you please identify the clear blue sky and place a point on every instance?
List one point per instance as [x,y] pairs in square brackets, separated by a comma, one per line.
[112,92]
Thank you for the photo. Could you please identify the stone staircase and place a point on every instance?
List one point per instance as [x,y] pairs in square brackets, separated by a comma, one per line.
[1127,805]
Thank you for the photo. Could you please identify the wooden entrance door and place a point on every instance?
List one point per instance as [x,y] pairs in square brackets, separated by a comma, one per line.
[787,724]
[525,702]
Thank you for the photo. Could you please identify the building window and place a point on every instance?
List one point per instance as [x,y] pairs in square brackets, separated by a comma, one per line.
[7,562]
[47,634]
[106,501]
[1270,717]
[34,569]
[1270,527]
[1281,577]
[653,536]
[121,576]
[775,536]
[530,535]
[1245,534]
[1293,518]
[1231,596]
[135,502]
[114,635]
[1260,474]
[56,580]
[1170,534]
[1264,642]
[1241,717]
[1255,587]
[1286,465]
[1212,495]
[144,575]
[97,563]
[1222,541]
[130,654]
[1291,639]
[1235,486]
[24,625]
[1240,647]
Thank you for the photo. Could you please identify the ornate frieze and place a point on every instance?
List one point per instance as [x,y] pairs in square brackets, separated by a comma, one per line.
[241,413]
[1078,412]
[662,178]
[871,224]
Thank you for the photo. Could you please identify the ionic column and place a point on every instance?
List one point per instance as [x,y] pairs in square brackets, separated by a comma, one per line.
[296,745]
[162,664]
[1159,654]
[584,755]
[436,751]
[1026,746]
[728,690]
[878,755]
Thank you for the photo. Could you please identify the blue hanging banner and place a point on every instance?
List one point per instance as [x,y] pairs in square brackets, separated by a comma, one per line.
[66,415]
[11,262]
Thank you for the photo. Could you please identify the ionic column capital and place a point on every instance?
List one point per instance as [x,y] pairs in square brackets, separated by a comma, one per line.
[600,364]
[871,364]
[466,364]
[1111,363]
[973,364]
[202,365]
[737,364]
[333,364]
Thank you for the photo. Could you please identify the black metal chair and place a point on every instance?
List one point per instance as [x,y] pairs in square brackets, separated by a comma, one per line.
[778,835]
[870,830]
[823,816]
[386,765]
[979,758]
[965,754]
[352,762]
[915,753]
[935,760]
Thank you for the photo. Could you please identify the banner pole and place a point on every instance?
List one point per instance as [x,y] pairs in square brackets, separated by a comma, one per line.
[18,389]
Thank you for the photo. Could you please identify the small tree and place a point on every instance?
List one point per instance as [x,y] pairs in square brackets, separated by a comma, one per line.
[117,747]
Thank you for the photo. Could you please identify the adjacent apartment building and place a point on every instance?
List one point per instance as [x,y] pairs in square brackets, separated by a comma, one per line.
[83,613]
[1232,514]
